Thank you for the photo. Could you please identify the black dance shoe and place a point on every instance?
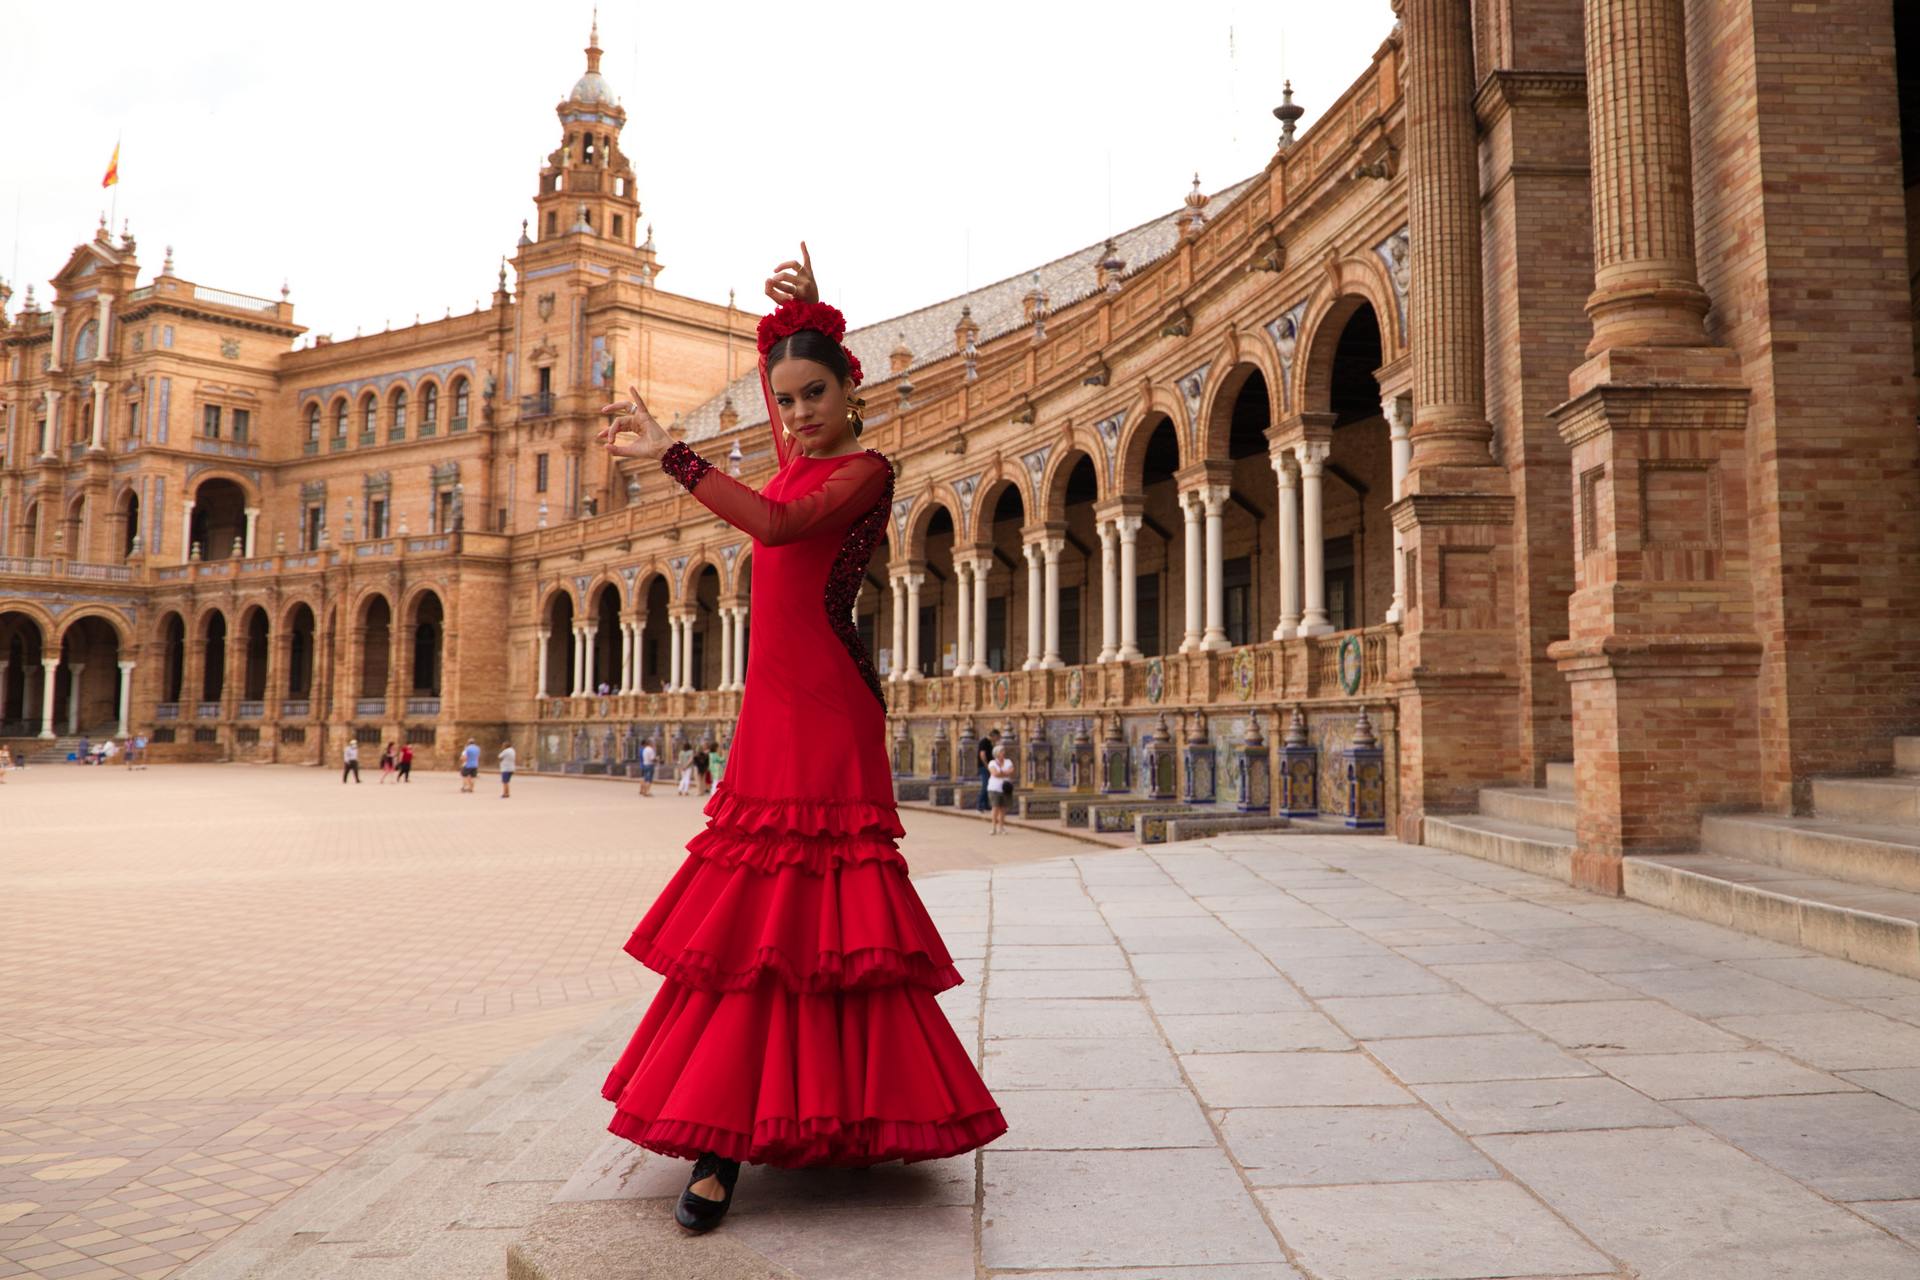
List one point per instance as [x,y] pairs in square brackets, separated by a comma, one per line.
[697,1213]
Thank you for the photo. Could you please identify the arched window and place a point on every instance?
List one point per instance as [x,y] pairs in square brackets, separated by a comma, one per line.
[398,428]
[313,424]
[459,422]
[340,420]
[369,418]
[86,343]
[429,409]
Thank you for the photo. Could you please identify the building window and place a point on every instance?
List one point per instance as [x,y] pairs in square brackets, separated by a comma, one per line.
[241,419]
[133,421]
[1236,579]
[539,473]
[550,223]
[376,517]
[210,421]
[313,424]
[619,226]
[429,409]
[310,529]
[340,420]
[459,422]
[369,419]
[398,430]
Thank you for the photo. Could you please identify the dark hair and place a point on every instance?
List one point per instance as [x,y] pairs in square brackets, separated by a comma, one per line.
[811,344]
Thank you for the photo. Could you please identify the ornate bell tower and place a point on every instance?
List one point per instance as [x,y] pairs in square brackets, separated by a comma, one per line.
[587,186]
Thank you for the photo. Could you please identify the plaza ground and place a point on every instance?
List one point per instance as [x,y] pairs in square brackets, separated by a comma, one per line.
[1258,1058]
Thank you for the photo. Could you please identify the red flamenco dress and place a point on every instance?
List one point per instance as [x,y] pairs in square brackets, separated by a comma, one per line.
[797,1024]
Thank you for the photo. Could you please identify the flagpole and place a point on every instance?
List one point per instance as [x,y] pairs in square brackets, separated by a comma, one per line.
[114,203]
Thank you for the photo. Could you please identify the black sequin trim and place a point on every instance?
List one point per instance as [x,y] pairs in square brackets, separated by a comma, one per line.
[684,465]
[844,578]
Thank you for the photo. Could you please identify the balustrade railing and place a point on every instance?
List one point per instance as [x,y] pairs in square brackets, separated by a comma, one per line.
[252,710]
[206,711]
[166,711]
[423,706]
[370,707]
[295,709]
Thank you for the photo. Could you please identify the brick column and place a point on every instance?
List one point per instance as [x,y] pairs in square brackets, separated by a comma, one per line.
[1662,651]
[1459,706]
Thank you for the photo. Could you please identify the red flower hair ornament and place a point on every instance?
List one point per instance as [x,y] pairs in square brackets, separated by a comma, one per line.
[794,315]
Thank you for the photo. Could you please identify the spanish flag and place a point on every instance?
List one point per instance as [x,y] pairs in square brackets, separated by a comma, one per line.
[113,168]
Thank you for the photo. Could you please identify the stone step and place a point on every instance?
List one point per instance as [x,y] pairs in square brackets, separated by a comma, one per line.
[1894,799]
[1199,826]
[1546,851]
[1863,923]
[1886,855]
[1560,775]
[1906,754]
[1535,806]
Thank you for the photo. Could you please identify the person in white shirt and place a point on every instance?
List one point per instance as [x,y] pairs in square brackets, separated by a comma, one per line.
[649,761]
[999,788]
[507,760]
[351,763]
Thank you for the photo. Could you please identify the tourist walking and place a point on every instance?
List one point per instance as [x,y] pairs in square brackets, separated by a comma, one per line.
[683,763]
[984,752]
[469,765]
[999,788]
[350,763]
[797,1024]
[507,759]
[649,761]
[406,762]
[703,766]
[386,764]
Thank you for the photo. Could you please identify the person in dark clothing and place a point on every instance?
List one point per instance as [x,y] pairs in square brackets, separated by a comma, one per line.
[703,767]
[985,754]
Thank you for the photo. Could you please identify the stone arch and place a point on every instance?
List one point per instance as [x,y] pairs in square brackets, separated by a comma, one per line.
[1327,314]
[365,601]
[698,562]
[920,518]
[1156,405]
[424,616]
[988,495]
[123,630]
[643,580]
[248,488]
[36,614]
[1061,461]
[338,410]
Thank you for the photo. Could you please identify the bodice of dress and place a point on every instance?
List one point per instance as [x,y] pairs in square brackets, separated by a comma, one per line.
[814,527]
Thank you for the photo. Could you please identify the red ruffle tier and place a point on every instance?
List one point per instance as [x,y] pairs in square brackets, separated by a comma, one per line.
[797,1025]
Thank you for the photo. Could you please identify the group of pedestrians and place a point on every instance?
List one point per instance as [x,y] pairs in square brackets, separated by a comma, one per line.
[396,762]
[696,766]
[996,780]
[507,758]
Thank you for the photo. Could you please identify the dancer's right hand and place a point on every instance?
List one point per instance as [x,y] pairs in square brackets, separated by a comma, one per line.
[633,433]
[791,280]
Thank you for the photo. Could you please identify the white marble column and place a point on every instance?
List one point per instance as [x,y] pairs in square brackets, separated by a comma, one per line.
[126,695]
[1109,593]
[50,443]
[1128,527]
[626,656]
[1215,499]
[963,627]
[740,645]
[540,673]
[55,364]
[1036,598]
[1313,460]
[897,660]
[73,697]
[99,440]
[1289,510]
[104,314]
[982,566]
[1052,547]
[914,583]
[1190,510]
[186,530]
[253,526]
[51,668]
[639,681]
[1401,440]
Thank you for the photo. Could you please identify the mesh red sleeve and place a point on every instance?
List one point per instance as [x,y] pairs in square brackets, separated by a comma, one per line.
[848,494]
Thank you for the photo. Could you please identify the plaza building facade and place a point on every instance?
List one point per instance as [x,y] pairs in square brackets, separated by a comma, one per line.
[1542,418]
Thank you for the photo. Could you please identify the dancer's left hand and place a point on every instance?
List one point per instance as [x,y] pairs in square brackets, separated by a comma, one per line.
[791,280]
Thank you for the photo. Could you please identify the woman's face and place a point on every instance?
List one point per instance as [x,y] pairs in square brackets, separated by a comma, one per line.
[813,405]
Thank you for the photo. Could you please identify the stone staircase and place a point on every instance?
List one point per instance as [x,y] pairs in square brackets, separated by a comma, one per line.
[46,750]
[1844,880]
[1530,828]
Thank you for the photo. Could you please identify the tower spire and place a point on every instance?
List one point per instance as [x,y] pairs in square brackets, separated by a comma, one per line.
[593,42]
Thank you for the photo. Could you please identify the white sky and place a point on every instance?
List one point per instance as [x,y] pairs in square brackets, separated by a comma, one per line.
[380,156]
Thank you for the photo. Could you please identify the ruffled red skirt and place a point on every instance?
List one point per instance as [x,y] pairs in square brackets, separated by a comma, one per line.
[797,1025]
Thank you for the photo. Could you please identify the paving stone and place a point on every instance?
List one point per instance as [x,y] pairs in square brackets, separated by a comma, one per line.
[1111,1208]
[1741,1073]
[1245,1271]
[1272,994]
[1386,1017]
[1248,1032]
[1053,984]
[1066,1018]
[1049,935]
[1291,1080]
[1360,976]
[1902,1217]
[1428,1231]
[1629,1026]
[1851,1146]
[1827,976]
[1683,1203]
[1105,956]
[1850,1040]
[1299,944]
[1902,1084]
[830,1242]
[1474,953]
[1544,1106]
[1531,981]
[1207,965]
[1325,1146]
[1132,1063]
[1069,1119]
[1443,1059]
[1719,990]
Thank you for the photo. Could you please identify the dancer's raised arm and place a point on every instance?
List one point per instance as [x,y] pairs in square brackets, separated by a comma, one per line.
[849,493]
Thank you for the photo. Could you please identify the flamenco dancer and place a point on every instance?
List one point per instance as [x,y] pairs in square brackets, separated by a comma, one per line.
[797,1025]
